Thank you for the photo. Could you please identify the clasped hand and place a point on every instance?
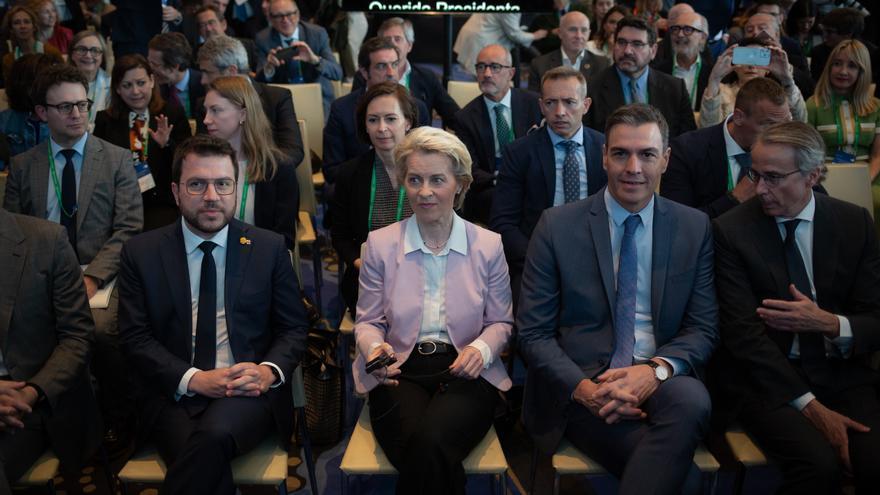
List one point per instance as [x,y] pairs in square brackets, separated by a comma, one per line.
[618,393]
[239,380]
[16,399]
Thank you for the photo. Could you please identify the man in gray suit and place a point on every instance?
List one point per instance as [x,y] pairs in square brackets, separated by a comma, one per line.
[617,317]
[47,333]
[89,186]
[574,32]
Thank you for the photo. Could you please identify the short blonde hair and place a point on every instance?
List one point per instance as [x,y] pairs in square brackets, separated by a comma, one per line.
[432,140]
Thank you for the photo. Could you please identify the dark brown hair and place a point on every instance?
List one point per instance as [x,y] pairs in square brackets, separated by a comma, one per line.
[201,145]
[117,107]
[388,88]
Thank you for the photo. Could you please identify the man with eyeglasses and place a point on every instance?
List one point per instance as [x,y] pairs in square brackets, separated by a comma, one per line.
[709,167]
[311,60]
[211,319]
[554,165]
[170,57]
[797,276]
[574,33]
[90,187]
[378,61]
[689,60]
[631,80]
[491,121]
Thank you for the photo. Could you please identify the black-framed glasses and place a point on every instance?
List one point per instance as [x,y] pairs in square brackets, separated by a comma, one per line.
[197,187]
[67,107]
[771,179]
[494,68]
[636,44]
[82,50]
[282,15]
[686,30]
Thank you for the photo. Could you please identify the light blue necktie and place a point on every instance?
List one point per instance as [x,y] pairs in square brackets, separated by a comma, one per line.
[625,307]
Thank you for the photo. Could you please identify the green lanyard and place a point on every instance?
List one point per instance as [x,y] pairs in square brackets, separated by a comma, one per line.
[857,124]
[400,198]
[729,177]
[695,85]
[244,195]
[58,187]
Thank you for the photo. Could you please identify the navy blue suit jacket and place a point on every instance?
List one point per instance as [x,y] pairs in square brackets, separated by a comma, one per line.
[341,142]
[527,183]
[565,318]
[264,317]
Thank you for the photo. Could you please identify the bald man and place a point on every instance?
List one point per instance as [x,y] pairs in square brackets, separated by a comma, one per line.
[574,32]
[551,21]
[690,61]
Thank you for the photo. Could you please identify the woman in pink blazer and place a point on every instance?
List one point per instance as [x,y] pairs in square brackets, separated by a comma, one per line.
[435,296]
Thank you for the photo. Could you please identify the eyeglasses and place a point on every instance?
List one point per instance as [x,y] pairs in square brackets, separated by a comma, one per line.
[494,68]
[283,15]
[686,30]
[93,51]
[197,187]
[636,44]
[770,178]
[67,107]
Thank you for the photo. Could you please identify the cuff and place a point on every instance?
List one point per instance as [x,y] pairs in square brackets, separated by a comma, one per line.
[183,385]
[843,341]
[679,367]
[801,402]
[279,380]
[485,351]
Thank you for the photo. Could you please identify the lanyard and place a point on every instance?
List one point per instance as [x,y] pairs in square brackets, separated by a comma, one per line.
[244,195]
[58,187]
[400,197]
[857,124]
[696,82]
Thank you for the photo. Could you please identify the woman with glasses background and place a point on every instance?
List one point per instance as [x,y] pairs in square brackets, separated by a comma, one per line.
[20,127]
[21,25]
[139,120]
[266,187]
[51,31]
[87,51]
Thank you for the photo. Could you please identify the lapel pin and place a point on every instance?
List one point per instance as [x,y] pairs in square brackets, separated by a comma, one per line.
[244,241]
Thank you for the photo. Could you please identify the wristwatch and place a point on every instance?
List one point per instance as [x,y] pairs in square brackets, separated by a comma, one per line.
[660,371]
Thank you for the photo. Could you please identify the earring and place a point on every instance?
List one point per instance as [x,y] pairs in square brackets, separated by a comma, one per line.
[241,122]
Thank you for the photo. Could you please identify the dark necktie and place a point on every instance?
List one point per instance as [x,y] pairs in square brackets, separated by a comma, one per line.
[625,305]
[812,345]
[68,196]
[502,130]
[571,181]
[635,95]
[745,163]
[206,321]
[174,96]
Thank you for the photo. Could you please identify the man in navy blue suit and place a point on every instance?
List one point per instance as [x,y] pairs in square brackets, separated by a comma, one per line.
[556,164]
[211,320]
[170,57]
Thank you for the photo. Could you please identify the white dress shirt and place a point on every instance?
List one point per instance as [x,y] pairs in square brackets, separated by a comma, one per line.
[53,207]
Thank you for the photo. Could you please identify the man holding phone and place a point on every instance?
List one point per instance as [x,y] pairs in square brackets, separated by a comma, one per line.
[295,52]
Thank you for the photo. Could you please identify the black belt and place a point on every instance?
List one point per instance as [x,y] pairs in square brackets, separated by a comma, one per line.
[430,347]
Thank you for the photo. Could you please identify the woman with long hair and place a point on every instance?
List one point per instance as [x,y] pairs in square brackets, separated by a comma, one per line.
[87,51]
[50,30]
[21,24]
[845,112]
[267,189]
[139,120]
[603,43]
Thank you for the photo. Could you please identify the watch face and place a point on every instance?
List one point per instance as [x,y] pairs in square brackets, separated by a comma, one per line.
[661,373]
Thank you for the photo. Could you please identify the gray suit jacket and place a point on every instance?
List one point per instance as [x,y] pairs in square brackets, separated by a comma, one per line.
[110,207]
[46,329]
[565,316]
[591,65]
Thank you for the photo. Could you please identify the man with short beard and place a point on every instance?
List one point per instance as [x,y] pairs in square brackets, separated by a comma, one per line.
[211,320]
[690,61]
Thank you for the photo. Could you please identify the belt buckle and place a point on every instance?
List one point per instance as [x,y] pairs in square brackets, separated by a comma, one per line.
[424,352]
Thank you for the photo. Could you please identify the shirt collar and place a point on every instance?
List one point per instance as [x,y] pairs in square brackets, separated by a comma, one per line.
[191,241]
[504,101]
[555,139]
[294,36]
[619,214]
[184,83]
[576,60]
[805,215]
[730,144]
[641,81]
[412,238]
[79,146]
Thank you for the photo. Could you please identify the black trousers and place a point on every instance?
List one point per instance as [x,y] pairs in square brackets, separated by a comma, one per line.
[808,463]
[20,448]
[198,438]
[655,455]
[429,423]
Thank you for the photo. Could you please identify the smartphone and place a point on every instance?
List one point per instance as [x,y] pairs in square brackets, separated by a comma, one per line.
[287,53]
[751,55]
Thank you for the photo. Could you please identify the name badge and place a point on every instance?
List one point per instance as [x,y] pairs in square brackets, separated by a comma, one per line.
[145,177]
[841,156]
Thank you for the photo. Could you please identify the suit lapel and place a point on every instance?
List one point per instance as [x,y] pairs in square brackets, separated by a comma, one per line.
[518,113]
[601,236]
[12,252]
[485,129]
[546,156]
[89,176]
[824,242]
[238,253]
[717,159]
[664,227]
[172,254]
[40,181]
[612,91]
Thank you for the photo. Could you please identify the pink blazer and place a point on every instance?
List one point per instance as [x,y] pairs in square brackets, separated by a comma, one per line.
[389,309]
